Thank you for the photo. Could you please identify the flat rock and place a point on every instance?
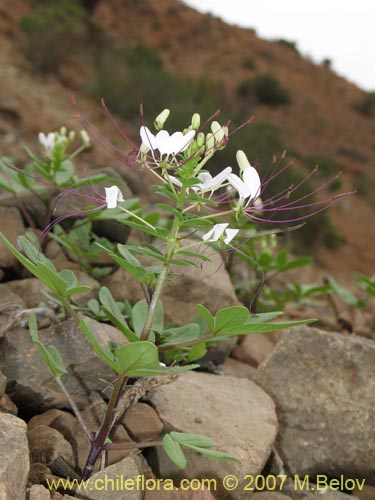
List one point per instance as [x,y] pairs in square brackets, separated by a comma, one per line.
[270,495]
[234,368]
[253,349]
[47,444]
[323,385]
[142,422]
[30,384]
[39,492]
[14,458]
[234,412]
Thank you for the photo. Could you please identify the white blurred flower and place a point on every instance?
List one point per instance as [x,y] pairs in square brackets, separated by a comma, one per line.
[249,185]
[220,231]
[209,183]
[113,196]
[47,140]
[165,143]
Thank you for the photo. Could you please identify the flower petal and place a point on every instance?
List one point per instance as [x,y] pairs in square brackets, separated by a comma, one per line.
[148,138]
[229,235]
[215,233]
[112,196]
[252,181]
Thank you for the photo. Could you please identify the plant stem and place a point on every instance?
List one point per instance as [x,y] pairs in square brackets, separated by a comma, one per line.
[98,444]
[171,247]
[75,409]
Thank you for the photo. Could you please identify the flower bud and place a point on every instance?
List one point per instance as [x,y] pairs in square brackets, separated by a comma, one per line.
[85,138]
[195,121]
[200,139]
[242,160]
[71,136]
[161,119]
[62,131]
[210,143]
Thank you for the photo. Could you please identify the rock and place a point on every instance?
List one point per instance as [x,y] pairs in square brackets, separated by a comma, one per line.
[176,494]
[234,412]
[39,492]
[130,469]
[329,495]
[209,285]
[45,418]
[233,368]
[30,384]
[12,226]
[269,495]
[30,289]
[3,384]
[38,473]
[323,385]
[143,422]
[10,301]
[253,349]
[367,492]
[47,444]
[7,405]
[14,458]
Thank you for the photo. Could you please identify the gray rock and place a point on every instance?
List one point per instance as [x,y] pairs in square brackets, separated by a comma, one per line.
[234,412]
[39,492]
[46,445]
[129,469]
[14,458]
[269,495]
[30,384]
[323,385]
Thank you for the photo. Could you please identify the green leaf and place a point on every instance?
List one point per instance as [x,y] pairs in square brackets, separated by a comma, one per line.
[136,358]
[247,328]
[106,356]
[113,313]
[139,314]
[192,439]
[180,335]
[207,316]
[64,173]
[301,262]
[50,355]
[197,351]
[217,455]
[230,316]
[174,451]
[345,294]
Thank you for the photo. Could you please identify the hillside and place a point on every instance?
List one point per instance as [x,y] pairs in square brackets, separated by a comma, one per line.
[319,124]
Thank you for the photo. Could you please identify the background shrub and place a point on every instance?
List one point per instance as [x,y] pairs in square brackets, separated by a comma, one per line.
[366,106]
[264,89]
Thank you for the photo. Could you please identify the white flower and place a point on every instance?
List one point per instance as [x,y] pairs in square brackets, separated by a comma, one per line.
[47,140]
[218,231]
[249,185]
[113,195]
[209,183]
[165,143]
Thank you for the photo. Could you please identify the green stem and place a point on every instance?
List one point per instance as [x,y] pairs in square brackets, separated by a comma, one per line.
[171,247]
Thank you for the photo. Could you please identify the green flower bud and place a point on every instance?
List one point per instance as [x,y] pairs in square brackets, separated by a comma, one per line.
[161,119]
[71,136]
[62,131]
[195,121]
[210,143]
[200,139]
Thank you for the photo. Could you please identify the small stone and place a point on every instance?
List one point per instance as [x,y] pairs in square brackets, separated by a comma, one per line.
[39,492]
[143,422]
[234,368]
[14,457]
[269,495]
[38,473]
[44,419]
[7,405]
[253,349]
[47,444]
[3,384]
[30,289]
[190,494]
[366,492]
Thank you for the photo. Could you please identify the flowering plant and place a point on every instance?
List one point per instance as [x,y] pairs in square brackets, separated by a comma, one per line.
[198,205]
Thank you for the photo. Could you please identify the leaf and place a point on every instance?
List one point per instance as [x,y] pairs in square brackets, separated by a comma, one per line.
[181,334]
[197,351]
[135,358]
[207,316]
[230,316]
[217,455]
[174,451]
[106,356]
[345,294]
[113,313]
[301,262]
[247,328]
[50,355]
[139,314]
[192,439]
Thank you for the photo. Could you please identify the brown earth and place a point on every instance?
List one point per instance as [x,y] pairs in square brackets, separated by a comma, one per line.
[320,121]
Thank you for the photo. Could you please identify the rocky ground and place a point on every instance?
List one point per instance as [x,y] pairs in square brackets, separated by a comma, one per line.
[299,403]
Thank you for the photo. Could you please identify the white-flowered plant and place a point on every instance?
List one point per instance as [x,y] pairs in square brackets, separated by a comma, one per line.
[196,214]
